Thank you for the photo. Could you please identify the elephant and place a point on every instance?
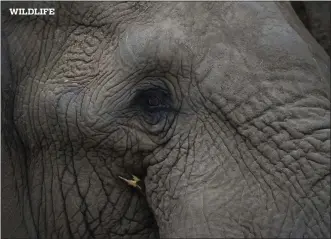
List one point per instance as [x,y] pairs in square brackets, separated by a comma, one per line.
[164,120]
[316,18]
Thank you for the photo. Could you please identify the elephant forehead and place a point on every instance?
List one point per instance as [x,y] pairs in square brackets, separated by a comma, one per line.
[158,41]
[102,13]
[238,34]
[233,49]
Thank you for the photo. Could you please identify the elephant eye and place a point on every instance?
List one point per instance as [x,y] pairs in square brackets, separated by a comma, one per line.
[153,100]
[153,104]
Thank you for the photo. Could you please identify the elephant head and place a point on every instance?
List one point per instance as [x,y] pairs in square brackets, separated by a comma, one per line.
[221,109]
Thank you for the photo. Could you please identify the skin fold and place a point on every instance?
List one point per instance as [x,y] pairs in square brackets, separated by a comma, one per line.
[220,109]
[316,18]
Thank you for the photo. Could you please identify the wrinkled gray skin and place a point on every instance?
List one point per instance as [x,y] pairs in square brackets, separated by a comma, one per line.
[222,109]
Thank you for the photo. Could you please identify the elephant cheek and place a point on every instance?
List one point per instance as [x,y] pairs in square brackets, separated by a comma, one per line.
[181,189]
[228,186]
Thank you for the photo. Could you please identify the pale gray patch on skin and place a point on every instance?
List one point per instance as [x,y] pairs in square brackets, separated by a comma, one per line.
[139,43]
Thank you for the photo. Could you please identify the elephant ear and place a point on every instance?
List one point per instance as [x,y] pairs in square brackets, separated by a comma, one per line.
[316,18]
[12,155]
[319,54]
